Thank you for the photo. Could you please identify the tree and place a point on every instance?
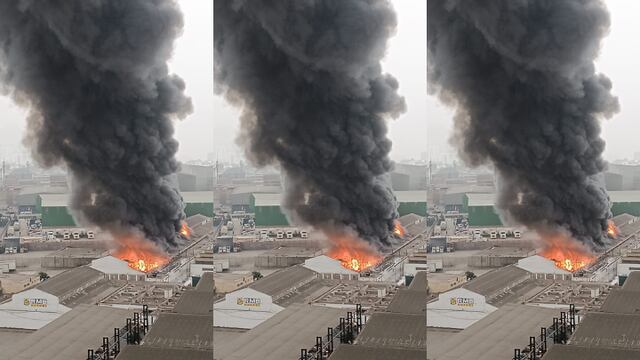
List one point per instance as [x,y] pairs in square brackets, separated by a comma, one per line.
[43,276]
[256,275]
[470,275]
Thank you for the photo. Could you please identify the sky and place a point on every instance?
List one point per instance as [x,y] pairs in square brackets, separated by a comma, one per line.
[617,59]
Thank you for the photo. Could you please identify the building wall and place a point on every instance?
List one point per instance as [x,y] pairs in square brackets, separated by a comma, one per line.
[270,216]
[483,216]
[632,208]
[205,209]
[418,208]
[56,216]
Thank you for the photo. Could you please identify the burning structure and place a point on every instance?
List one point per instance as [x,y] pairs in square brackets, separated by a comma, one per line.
[111,127]
[521,76]
[308,78]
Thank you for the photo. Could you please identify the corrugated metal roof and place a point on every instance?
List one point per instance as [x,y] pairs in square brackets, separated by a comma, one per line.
[409,302]
[267,199]
[181,331]
[195,303]
[411,196]
[495,336]
[206,282]
[419,281]
[633,282]
[197,196]
[357,352]
[282,281]
[70,335]
[496,281]
[283,335]
[480,199]
[537,264]
[389,330]
[55,200]
[150,353]
[622,302]
[66,283]
[570,352]
[323,264]
[608,330]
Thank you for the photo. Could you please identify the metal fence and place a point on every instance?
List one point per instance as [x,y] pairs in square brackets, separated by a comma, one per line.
[132,333]
[345,333]
[559,332]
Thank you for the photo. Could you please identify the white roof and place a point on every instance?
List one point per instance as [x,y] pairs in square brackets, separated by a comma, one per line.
[323,264]
[113,265]
[244,309]
[479,199]
[411,196]
[537,264]
[624,196]
[197,196]
[457,309]
[55,200]
[267,199]
[31,309]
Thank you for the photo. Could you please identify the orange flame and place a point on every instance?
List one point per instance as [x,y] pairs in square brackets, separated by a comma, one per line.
[185,230]
[354,254]
[140,254]
[398,229]
[612,230]
[566,253]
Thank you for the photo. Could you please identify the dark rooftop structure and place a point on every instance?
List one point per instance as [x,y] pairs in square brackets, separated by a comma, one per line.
[353,352]
[283,281]
[505,285]
[195,303]
[409,301]
[620,331]
[69,336]
[633,282]
[181,331]
[148,353]
[570,352]
[621,301]
[388,330]
[206,283]
[283,335]
[66,284]
[419,281]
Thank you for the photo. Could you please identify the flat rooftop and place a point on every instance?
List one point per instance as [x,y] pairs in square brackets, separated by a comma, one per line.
[371,295]
[496,335]
[80,252]
[409,301]
[571,352]
[149,353]
[69,336]
[65,283]
[158,296]
[355,352]
[571,292]
[283,335]
[283,281]
[621,331]
[390,330]
[181,331]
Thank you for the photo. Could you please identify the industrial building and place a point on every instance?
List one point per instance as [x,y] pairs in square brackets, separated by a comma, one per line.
[55,212]
[481,206]
[266,206]
[71,257]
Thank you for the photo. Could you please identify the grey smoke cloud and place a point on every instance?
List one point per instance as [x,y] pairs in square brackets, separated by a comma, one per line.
[307,75]
[521,76]
[94,76]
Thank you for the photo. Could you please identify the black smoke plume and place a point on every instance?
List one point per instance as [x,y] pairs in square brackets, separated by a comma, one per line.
[101,100]
[307,75]
[521,75]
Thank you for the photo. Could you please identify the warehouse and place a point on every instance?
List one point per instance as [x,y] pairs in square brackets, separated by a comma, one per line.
[240,198]
[480,208]
[71,257]
[244,309]
[55,212]
[266,206]
[482,212]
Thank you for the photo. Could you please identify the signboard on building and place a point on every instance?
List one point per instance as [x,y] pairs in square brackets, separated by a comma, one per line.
[35,302]
[462,301]
[249,301]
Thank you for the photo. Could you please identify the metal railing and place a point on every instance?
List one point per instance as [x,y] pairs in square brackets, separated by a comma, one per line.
[559,332]
[132,333]
[346,332]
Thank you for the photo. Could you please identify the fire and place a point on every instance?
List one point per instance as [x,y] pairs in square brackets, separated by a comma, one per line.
[353,253]
[567,253]
[398,229]
[185,230]
[141,254]
[612,230]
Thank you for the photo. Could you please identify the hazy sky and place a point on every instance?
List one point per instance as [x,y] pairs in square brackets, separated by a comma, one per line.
[204,132]
[618,60]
